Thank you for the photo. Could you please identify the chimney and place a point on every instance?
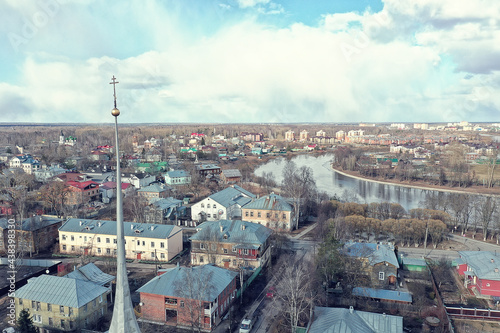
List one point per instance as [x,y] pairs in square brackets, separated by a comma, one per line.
[242,226]
[351,309]
[492,260]
[131,226]
[81,223]
[99,224]
[221,227]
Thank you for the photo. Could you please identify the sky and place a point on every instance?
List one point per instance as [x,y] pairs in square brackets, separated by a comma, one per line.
[250,61]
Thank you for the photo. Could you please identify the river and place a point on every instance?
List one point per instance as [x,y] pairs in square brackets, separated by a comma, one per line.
[334,183]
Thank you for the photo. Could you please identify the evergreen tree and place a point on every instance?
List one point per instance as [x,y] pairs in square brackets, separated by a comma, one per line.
[25,323]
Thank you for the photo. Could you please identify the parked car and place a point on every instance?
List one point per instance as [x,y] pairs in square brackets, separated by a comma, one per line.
[270,292]
[246,325]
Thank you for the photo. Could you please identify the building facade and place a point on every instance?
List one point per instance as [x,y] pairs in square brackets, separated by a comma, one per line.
[189,297]
[231,244]
[77,304]
[146,241]
[272,210]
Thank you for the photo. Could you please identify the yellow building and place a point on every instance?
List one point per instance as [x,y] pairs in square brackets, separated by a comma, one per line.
[142,240]
[272,211]
[62,304]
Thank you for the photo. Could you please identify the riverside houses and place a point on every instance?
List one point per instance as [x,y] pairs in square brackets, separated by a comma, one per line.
[144,241]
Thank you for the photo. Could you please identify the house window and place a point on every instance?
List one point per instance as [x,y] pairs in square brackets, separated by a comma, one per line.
[61,309]
[98,239]
[201,259]
[275,215]
[162,255]
[20,301]
[85,308]
[208,205]
[208,215]
[49,307]
[107,240]
[258,214]
[152,254]
[162,245]
[63,324]
[108,251]
[284,216]
[72,325]
[202,205]
[51,323]
[171,301]
[100,299]
[37,318]
[99,250]
[251,213]
[246,214]
[94,303]
[85,238]
[487,285]
[215,206]
[63,237]
[202,246]
[138,243]
[72,238]
[152,244]
[381,276]
[72,248]
[268,215]
[245,251]
[64,247]
[234,249]
[70,310]
[33,304]
[143,243]
[225,251]
[114,240]
[182,304]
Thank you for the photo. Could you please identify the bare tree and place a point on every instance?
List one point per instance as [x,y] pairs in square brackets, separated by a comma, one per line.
[299,185]
[491,165]
[54,196]
[134,205]
[194,288]
[294,290]
[485,211]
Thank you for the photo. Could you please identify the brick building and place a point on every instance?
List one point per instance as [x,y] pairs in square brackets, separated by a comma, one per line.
[194,297]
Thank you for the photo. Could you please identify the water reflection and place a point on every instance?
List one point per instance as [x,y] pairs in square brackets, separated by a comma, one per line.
[334,183]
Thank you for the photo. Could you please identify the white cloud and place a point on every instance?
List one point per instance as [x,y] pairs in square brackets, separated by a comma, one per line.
[405,63]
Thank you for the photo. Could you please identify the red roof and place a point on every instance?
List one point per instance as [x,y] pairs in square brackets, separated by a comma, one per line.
[82,185]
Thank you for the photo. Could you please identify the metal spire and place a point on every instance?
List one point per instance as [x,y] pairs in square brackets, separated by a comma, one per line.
[123,320]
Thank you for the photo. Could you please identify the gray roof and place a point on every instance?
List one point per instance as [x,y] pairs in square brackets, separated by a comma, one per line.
[152,188]
[33,223]
[91,273]
[388,295]
[270,202]
[233,231]
[232,195]
[200,282]
[165,203]
[414,262]
[177,174]
[231,173]
[92,227]
[61,291]
[339,320]
[376,253]
[483,263]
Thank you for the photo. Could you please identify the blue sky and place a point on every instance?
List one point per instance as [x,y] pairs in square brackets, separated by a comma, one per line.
[238,61]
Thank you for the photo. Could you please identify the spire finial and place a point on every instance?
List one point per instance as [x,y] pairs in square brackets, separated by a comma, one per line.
[115,112]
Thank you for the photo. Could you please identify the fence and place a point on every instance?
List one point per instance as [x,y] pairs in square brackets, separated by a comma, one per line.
[469,313]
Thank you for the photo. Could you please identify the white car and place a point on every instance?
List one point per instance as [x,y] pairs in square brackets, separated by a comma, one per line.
[246,325]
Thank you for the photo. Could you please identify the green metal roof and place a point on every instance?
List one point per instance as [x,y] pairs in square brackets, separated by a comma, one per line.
[233,195]
[340,320]
[233,232]
[203,283]
[484,264]
[60,290]
[270,202]
[147,230]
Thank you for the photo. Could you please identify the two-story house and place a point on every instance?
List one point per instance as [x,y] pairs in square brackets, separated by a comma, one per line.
[380,262]
[225,204]
[82,192]
[62,304]
[144,241]
[272,210]
[231,244]
[139,180]
[163,210]
[34,234]
[153,191]
[177,177]
[189,297]
[480,271]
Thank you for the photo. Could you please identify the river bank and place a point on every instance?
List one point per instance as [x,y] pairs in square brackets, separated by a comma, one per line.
[477,190]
